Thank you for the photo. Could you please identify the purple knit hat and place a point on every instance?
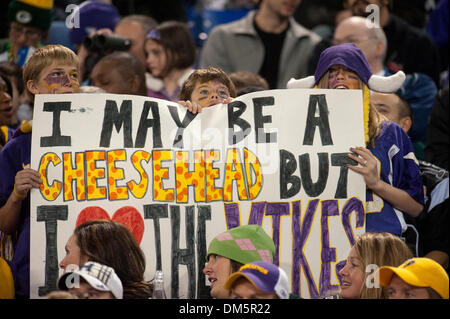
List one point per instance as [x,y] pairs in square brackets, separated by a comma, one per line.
[350,56]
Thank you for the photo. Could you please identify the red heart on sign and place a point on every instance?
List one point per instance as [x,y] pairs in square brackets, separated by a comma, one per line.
[127,215]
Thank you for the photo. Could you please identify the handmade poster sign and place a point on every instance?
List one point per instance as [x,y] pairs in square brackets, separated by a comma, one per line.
[275,158]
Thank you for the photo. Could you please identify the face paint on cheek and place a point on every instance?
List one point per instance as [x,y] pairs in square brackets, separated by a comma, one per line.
[53,82]
[74,83]
[203,101]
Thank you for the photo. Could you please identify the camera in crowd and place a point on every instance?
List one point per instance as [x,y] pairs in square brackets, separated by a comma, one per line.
[100,45]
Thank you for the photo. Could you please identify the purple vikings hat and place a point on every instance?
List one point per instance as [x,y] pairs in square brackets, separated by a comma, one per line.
[264,276]
[350,56]
[93,15]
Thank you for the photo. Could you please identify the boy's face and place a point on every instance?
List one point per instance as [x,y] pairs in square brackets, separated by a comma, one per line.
[210,93]
[57,78]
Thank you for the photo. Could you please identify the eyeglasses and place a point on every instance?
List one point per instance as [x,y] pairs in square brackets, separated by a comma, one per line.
[29,33]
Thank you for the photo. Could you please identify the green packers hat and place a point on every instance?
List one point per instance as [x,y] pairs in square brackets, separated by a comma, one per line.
[32,13]
[244,244]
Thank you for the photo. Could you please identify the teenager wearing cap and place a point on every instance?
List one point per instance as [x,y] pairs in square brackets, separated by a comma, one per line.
[92,281]
[29,22]
[387,162]
[416,278]
[230,250]
[258,280]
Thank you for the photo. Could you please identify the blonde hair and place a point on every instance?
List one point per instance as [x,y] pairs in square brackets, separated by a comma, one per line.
[45,56]
[373,118]
[380,249]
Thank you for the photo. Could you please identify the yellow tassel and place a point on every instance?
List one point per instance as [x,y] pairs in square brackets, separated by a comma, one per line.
[25,126]
[366,106]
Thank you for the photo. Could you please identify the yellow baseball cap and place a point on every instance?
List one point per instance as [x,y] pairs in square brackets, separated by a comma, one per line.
[419,272]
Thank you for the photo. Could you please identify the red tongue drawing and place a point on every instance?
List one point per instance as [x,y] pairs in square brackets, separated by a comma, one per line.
[126,215]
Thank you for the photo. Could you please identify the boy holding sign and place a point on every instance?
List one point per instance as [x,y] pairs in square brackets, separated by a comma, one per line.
[206,87]
[52,69]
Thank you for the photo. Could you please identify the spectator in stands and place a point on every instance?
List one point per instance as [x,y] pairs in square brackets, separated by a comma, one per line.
[136,27]
[418,89]
[29,21]
[205,88]
[52,69]
[171,55]
[92,281]
[370,251]
[93,17]
[6,100]
[258,280]
[6,133]
[246,82]
[428,233]
[110,243]
[392,180]
[406,44]
[229,250]
[119,73]
[394,108]
[416,278]
[267,41]
[13,73]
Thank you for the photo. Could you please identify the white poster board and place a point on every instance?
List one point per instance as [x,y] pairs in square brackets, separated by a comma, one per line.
[275,158]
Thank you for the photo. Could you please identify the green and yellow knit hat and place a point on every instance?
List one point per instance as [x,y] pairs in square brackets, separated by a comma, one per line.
[33,13]
[244,244]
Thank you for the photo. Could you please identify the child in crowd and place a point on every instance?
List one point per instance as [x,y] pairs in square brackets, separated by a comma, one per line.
[171,54]
[13,73]
[119,73]
[6,133]
[229,250]
[52,69]
[6,108]
[258,280]
[247,82]
[416,278]
[387,163]
[110,243]
[206,87]
[370,249]
[92,281]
